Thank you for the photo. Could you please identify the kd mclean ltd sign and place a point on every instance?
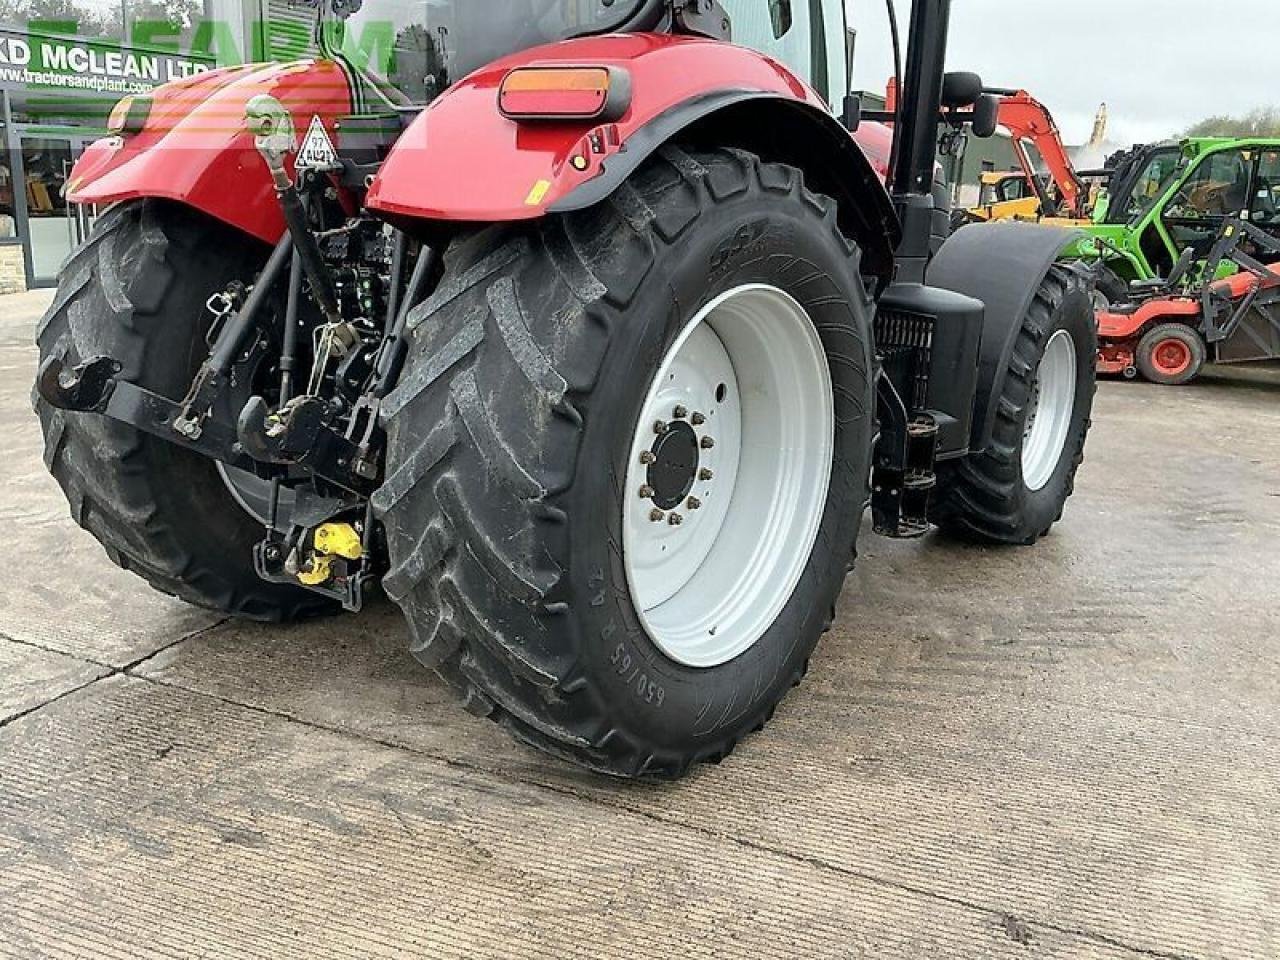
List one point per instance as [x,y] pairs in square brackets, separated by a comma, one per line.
[33,62]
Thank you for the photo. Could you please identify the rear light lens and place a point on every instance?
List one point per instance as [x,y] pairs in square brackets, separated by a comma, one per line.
[602,94]
[129,115]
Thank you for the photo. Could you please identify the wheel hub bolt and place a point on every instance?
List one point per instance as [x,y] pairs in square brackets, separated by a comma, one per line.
[656,516]
[647,457]
[707,443]
[680,412]
[706,474]
[693,503]
[660,427]
[646,492]
[698,419]
[675,519]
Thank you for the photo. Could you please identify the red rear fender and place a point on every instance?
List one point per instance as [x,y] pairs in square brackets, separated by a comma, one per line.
[462,160]
[195,149]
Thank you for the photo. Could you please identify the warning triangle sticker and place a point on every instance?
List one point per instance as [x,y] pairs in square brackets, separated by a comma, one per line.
[317,151]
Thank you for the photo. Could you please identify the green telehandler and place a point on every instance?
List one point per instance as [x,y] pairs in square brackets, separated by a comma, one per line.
[1166,198]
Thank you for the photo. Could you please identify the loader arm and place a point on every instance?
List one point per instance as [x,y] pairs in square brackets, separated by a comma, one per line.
[1026,118]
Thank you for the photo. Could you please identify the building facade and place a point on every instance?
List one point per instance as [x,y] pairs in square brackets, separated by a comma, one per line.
[59,80]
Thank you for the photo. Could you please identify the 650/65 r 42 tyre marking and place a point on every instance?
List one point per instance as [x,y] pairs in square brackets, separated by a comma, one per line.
[136,292]
[510,442]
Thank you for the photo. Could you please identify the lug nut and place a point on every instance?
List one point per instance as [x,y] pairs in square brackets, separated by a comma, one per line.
[693,503]
[698,419]
[706,474]
[656,516]
[680,412]
[707,443]
[660,427]
[675,519]
[646,492]
[647,457]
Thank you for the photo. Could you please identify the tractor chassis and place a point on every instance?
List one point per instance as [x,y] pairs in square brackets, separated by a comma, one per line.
[329,451]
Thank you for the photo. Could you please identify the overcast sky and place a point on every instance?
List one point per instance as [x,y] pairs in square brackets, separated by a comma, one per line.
[1160,65]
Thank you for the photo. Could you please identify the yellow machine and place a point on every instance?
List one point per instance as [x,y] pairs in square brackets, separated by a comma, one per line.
[1006,195]
[1058,195]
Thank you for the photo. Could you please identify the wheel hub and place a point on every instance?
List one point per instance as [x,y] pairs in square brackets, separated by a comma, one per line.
[1172,357]
[674,468]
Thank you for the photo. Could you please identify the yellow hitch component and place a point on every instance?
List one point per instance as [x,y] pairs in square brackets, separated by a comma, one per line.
[339,540]
[320,572]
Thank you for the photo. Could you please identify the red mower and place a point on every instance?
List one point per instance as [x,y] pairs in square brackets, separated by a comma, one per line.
[1173,328]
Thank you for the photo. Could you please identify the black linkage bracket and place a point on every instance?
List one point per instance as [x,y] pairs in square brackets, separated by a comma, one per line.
[92,387]
[903,479]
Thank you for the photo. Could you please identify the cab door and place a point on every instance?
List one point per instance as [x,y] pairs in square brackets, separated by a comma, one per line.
[1218,187]
[1264,209]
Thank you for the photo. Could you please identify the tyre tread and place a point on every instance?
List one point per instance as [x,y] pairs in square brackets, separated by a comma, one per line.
[481,597]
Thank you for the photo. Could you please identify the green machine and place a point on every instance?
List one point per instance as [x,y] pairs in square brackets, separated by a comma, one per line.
[1168,197]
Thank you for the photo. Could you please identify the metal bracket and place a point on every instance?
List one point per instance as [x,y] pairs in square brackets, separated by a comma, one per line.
[305,440]
[91,387]
[302,435]
[903,479]
[703,18]
[348,587]
[87,387]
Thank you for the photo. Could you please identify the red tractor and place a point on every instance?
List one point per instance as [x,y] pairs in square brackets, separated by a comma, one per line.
[583,332]
[1174,326]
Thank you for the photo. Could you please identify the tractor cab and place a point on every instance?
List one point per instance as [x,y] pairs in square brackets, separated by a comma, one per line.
[408,52]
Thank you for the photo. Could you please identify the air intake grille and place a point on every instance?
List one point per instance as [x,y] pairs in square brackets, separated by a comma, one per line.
[905,344]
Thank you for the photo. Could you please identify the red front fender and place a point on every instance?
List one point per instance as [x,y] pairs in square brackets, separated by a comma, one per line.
[195,149]
[462,160]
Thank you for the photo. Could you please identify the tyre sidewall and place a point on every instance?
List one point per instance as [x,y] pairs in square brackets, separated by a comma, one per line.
[137,292]
[759,237]
[1043,507]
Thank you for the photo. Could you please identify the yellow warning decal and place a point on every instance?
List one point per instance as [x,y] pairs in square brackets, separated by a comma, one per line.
[538,193]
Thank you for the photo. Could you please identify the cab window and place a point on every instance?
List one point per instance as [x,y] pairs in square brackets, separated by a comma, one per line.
[783,29]
[1217,188]
[1151,183]
[1013,188]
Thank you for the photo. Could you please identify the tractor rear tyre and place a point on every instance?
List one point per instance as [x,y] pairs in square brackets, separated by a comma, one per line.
[628,459]
[136,292]
[1171,354]
[1110,290]
[1015,490]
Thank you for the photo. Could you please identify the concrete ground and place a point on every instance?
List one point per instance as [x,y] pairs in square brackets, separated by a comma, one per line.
[1067,751]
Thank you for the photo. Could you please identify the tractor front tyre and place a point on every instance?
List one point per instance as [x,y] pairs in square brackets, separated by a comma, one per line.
[1171,354]
[136,292]
[628,458]
[1015,490]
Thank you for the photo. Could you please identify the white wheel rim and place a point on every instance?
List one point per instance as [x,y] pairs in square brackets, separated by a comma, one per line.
[750,376]
[1053,401]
